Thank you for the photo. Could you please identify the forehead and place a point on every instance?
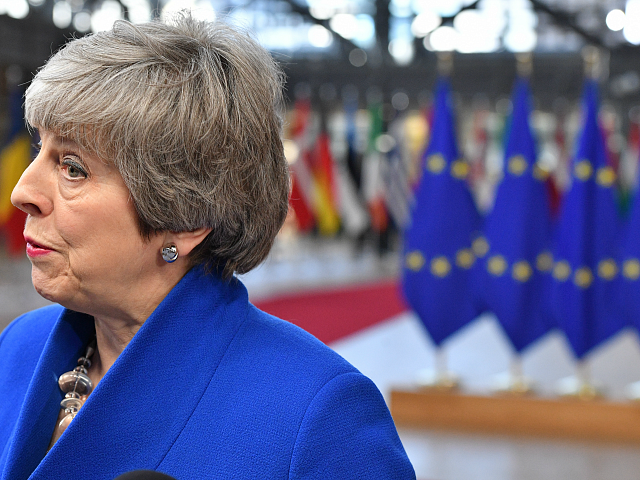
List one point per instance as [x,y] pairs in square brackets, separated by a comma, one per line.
[57,141]
[82,135]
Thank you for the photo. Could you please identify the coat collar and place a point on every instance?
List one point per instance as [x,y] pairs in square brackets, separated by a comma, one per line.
[142,404]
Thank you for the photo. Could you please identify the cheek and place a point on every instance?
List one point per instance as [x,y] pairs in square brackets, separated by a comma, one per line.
[122,226]
[117,235]
[99,228]
[74,224]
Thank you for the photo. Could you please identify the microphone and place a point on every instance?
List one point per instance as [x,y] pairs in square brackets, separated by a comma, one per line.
[143,475]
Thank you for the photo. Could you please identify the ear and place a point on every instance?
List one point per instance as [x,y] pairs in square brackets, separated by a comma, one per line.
[187,241]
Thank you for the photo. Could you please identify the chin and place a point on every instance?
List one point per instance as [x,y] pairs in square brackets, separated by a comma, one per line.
[43,291]
[48,287]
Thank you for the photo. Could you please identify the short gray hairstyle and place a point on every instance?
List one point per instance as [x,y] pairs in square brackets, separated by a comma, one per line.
[190,114]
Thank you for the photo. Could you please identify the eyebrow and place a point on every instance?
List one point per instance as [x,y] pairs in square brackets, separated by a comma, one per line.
[62,142]
[65,142]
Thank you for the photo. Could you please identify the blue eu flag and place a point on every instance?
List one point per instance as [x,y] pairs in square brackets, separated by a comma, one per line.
[629,299]
[515,273]
[437,242]
[585,271]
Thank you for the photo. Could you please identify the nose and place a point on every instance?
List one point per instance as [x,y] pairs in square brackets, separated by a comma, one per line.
[29,193]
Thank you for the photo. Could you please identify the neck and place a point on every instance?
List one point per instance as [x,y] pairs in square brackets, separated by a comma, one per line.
[116,327]
[112,337]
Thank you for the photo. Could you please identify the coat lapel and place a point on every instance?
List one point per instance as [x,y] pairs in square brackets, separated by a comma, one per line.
[40,409]
[139,408]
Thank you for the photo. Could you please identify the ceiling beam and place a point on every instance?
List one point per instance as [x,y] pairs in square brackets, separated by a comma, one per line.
[304,11]
[566,20]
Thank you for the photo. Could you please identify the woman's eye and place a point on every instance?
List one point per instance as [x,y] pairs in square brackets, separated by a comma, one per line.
[74,170]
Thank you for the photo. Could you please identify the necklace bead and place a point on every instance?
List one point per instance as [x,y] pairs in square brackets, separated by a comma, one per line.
[85,362]
[75,384]
[72,404]
[75,381]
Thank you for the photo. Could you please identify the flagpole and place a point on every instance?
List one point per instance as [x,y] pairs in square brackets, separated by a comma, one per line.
[520,384]
[583,370]
[443,378]
[586,390]
[524,64]
[445,63]
[516,367]
[596,65]
[581,385]
[516,382]
[513,381]
[436,278]
[438,378]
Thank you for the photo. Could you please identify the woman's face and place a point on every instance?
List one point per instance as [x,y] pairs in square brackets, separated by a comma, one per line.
[82,232]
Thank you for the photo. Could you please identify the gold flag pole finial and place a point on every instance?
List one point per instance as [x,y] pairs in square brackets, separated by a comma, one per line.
[595,62]
[524,64]
[445,63]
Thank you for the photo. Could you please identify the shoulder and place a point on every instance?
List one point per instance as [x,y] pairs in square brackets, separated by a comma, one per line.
[341,426]
[347,432]
[294,346]
[30,331]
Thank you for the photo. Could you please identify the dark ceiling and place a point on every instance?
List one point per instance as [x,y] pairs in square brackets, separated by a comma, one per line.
[30,41]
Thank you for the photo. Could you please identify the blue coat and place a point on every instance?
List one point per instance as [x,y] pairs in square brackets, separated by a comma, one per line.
[209,388]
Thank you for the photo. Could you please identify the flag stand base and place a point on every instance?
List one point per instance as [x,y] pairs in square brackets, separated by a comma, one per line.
[513,382]
[569,418]
[633,391]
[508,384]
[439,378]
[432,379]
[575,387]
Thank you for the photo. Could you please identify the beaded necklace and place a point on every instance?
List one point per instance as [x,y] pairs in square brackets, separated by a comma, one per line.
[75,384]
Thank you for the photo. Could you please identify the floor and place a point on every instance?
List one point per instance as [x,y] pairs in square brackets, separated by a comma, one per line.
[393,352]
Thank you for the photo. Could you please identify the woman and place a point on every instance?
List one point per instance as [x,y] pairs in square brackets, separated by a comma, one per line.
[161,174]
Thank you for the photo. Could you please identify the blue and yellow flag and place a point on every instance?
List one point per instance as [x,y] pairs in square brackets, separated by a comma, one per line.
[14,159]
[585,272]
[437,243]
[515,272]
[629,299]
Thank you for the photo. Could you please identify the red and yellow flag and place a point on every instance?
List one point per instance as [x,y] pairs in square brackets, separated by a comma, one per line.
[14,159]
[301,196]
[325,196]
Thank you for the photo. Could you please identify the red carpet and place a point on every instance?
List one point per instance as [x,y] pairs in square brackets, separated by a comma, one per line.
[333,314]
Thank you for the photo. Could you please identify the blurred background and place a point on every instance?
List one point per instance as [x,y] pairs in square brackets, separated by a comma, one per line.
[476,156]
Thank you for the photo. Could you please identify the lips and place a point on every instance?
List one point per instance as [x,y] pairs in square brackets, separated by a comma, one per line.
[35,249]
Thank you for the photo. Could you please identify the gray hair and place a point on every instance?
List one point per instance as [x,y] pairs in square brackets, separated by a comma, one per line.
[190,114]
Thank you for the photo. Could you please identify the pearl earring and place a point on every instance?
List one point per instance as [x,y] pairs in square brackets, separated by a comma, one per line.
[169,253]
